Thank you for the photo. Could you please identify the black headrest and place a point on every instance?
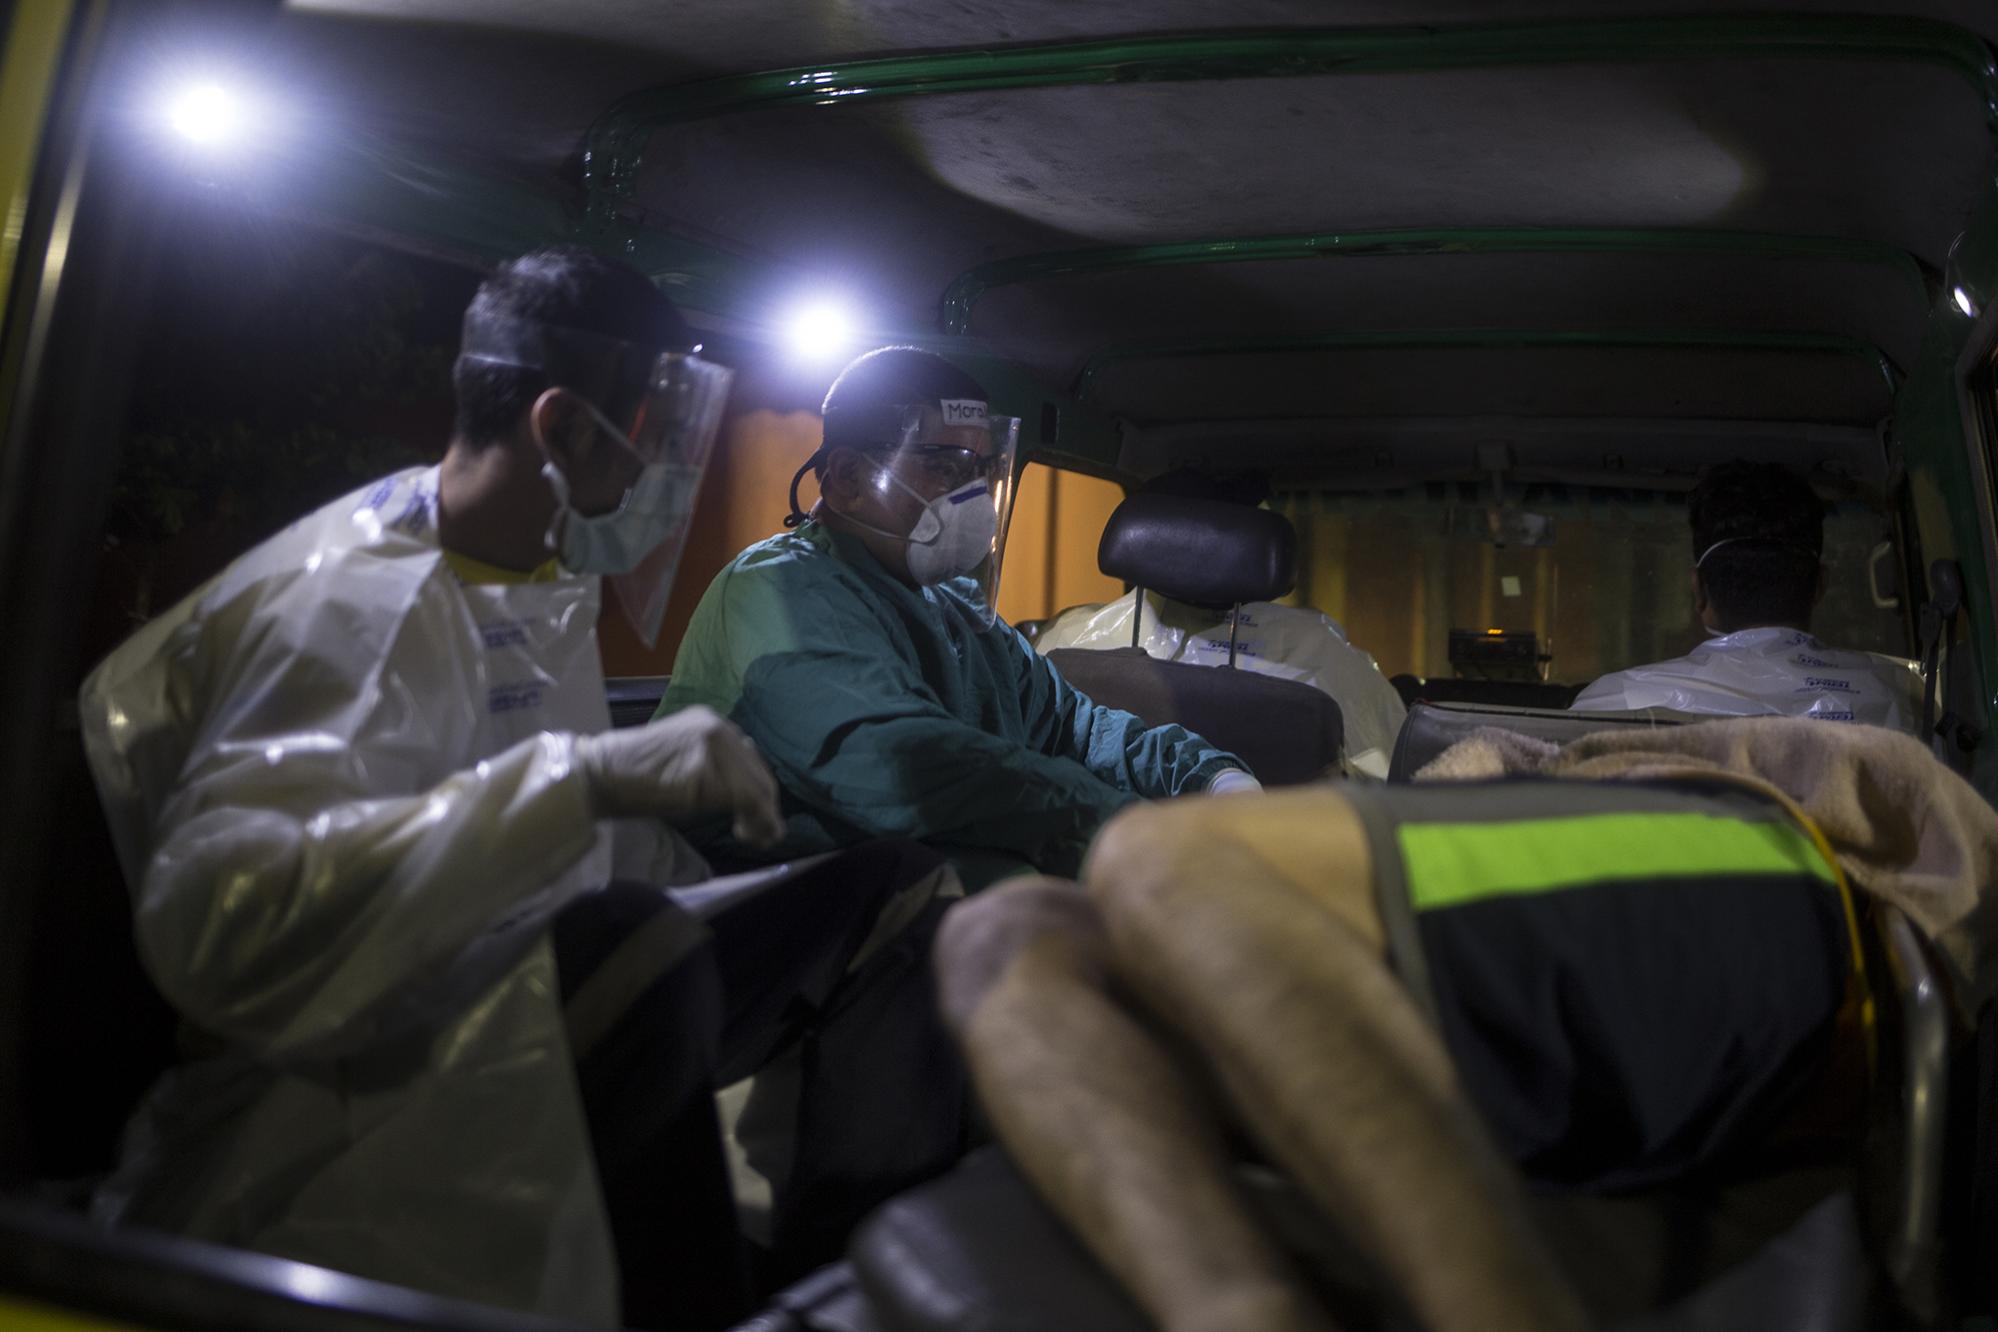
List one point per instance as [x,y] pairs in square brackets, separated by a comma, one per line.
[1206,552]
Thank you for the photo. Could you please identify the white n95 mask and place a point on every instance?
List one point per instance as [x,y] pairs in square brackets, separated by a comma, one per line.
[954,534]
[673,433]
[656,507]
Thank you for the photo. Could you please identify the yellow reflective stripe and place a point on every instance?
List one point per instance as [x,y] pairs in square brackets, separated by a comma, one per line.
[27,77]
[20,1316]
[1449,864]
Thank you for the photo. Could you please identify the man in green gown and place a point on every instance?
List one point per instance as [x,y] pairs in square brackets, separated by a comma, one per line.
[860,650]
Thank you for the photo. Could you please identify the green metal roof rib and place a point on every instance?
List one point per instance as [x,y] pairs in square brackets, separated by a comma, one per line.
[616,142]
[966,289]
[1478,339]
[446,206]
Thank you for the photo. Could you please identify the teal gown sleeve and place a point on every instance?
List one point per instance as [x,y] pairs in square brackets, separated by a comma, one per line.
[860,704]
[1154,762]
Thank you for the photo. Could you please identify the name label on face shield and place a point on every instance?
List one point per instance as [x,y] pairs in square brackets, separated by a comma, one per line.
[964,412]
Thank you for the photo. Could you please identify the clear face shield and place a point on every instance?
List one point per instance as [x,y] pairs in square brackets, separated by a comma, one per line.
[954,460]
[674,437]
[670,435]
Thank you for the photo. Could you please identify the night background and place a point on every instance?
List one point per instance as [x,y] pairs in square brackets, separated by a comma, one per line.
[279,368]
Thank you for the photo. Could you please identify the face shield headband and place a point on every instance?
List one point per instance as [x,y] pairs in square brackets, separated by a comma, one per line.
[890,429]
[672,431]
[680,395]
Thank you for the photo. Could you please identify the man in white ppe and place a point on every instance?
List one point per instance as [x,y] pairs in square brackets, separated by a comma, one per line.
[354,779]
[1288,642]
[862,653]
[1758,540]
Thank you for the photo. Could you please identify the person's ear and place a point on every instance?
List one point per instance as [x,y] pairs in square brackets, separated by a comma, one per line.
[842,483]
[561,429]
[1701,606]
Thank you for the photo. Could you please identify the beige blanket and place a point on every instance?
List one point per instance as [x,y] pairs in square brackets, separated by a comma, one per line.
[1907,829]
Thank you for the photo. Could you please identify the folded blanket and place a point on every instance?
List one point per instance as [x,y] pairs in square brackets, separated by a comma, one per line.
[1907,829]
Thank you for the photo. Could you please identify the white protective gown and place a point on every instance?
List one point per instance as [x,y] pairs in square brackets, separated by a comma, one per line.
[1754,672]
[1283,641]
[341,787]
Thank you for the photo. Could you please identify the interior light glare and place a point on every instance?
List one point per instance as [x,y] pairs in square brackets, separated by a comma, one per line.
[820,330]
[206,113]
[1964,302]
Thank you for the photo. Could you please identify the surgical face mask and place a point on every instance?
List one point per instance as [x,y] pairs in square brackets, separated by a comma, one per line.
[954,533]
[656,506]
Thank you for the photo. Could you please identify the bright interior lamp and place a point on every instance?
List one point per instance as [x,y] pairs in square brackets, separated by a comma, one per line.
[819,330]
[1965,302]
[207,113]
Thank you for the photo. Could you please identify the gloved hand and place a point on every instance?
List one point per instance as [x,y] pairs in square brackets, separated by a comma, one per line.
[1234,781]
[679,768]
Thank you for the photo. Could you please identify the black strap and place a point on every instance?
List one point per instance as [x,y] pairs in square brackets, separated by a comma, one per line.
[1938,614]
[797,515]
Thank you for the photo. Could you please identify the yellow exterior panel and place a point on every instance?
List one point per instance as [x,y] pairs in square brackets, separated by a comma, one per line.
[27,78]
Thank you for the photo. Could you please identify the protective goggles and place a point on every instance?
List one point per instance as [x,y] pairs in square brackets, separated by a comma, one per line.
[940,466]
[940,445]
[958,459]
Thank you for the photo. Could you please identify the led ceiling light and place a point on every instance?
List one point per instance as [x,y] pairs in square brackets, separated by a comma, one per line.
[820,329]
[207,114]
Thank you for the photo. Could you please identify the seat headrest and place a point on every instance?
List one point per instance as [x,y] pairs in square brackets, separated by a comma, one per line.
[1206,552]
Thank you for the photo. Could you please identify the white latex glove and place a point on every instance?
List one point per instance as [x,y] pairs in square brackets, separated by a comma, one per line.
[679,768]
[1234,781]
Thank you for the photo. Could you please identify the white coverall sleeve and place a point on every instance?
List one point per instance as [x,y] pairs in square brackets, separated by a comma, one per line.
[313,876]
[1605,694]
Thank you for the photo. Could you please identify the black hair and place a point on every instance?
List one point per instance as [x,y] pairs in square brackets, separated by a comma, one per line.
[568,287]
[861,408]
[1773,527]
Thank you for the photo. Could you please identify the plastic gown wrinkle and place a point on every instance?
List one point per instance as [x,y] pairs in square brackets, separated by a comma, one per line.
[340,783]
[891,711]
[1756,672]
[327,922]
[348,899]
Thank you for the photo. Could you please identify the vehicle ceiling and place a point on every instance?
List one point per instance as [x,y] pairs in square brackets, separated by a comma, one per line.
[1620,243]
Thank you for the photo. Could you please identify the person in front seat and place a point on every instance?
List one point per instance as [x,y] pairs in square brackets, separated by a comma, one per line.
[871,670]
[1758,537]
[1271,639]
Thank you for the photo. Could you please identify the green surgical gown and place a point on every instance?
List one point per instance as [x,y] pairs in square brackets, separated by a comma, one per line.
[891,711]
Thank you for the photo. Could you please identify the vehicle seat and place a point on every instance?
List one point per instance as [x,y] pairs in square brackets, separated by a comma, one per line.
[634,698]
[1797,1249]
[1431,728]
[1208,553]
